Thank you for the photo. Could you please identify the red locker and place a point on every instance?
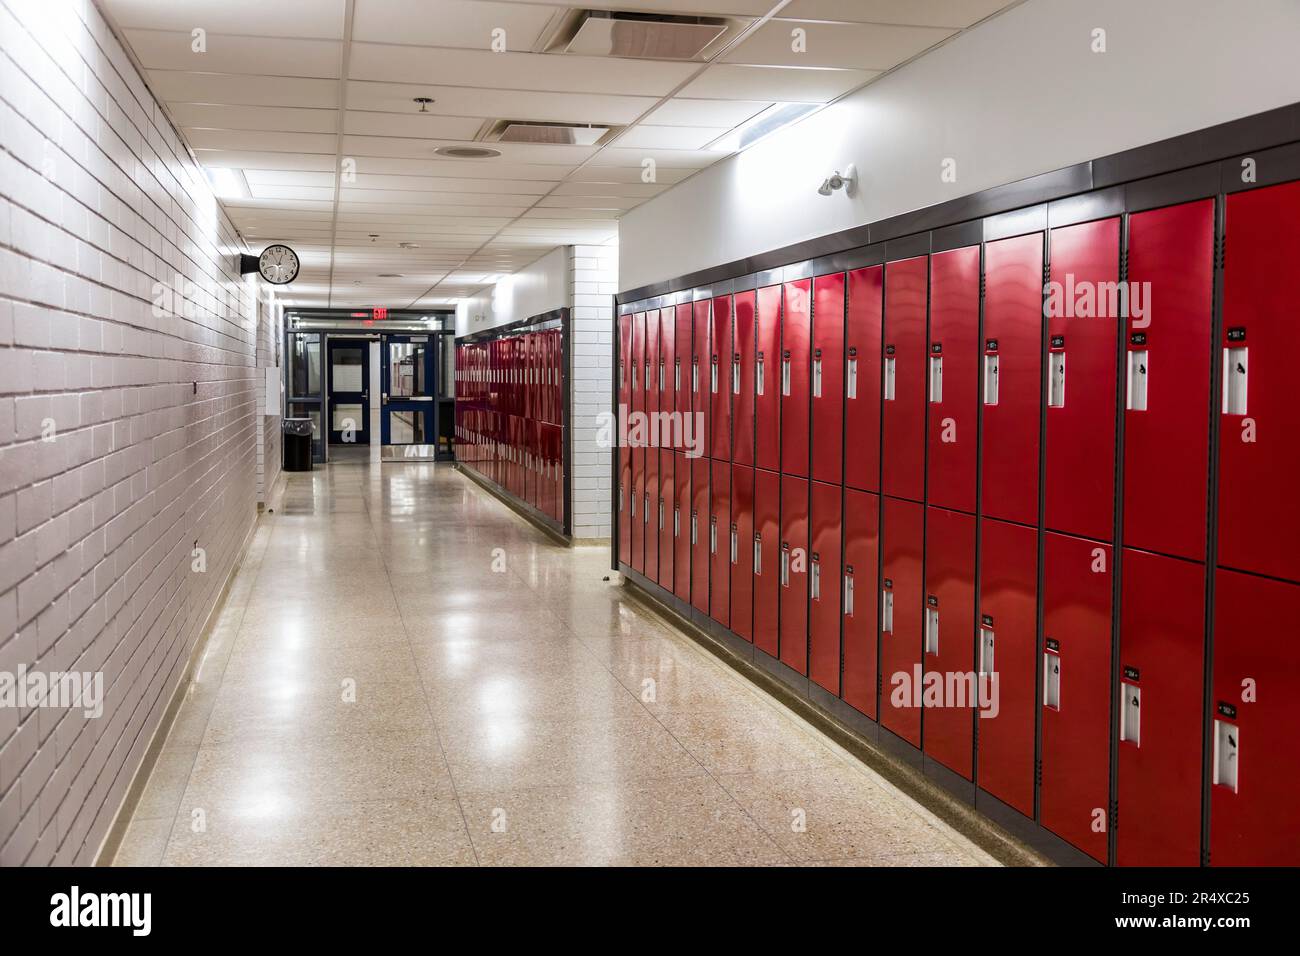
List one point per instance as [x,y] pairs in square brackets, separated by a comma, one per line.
[682,526]
[1259,443]
[1008,661]
[861,575]
[902,544]
[828,380]
[719,532]
[767,564]
[720,380]
[637,434]
[1076,691]
[651,515]
[903,448]
[767,380]
[1011,383]
[668,438]
[699,531]
[667,502]
[652,355]
[1082,323]
[796,336]
[701,406]
[741,547]
[824,573]
[1254,814]
[1166,421]
[953,378]
[862,379]
[742,378]
[948,635]
[624,452]
[1161,678]
[794,572]
[681,369]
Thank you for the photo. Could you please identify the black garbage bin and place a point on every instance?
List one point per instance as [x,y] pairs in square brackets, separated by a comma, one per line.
[297,444]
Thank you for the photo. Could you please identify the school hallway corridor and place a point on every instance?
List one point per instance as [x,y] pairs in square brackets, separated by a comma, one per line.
[405,672]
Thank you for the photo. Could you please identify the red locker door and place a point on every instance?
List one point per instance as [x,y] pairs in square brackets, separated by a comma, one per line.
[720,380]
[682,526]
[953,378]
[719,532]
[650,516]
[742,378]
[624,453]
[1011,383]
[1076,691]
[796,335]
[949,638]
[560,476]
[699,530]
[666,380]
[794,572]
[1254,814]
[701,420]
[902,543]
[1166,421]
[637,434]
[1008,661]
[860,604]
[1259,444]
[1082,323]
[862,380]
[824,571]
[1161,678]
[741,547]
[681,372]
[767,380]
[667,502]
[767,565]
[828,380]
[903,447]
[652,357]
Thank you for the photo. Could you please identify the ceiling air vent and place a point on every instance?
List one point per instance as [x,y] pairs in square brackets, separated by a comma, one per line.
[646,35]
[467,152]
[562,134]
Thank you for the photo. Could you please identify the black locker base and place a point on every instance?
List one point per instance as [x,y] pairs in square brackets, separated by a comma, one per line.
[1007,835]
[542,520]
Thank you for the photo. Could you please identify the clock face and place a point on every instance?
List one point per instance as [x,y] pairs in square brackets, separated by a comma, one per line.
[278,264]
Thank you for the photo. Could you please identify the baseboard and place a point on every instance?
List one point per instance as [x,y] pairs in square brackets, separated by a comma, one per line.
[521,508]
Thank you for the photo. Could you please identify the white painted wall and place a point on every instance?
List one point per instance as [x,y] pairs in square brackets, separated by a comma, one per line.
[1020,95]
[540,287]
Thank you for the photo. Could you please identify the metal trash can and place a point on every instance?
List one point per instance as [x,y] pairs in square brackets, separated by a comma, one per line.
[297,444]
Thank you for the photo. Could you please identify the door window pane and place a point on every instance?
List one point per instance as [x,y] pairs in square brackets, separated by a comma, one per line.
[345,374]
[346,417]
[304,366]
[406,428]
[406,370]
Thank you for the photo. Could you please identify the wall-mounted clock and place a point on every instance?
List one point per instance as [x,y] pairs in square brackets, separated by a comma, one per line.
[278,264]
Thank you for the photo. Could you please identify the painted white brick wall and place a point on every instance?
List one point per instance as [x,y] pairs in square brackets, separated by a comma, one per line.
[156,417]
[270,343]
[593,273]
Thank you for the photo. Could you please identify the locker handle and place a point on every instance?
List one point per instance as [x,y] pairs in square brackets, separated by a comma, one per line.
[1235,378]
[758,553]
[936,379]
[1130,714]
[713,534]
[694,526]
[1052,680]
[758,375]
[848,594]
[661,514]
[932,630]
[735,374]
[887,611]
[695,375]
[815,582]
[1137,380]
[645,510]
[661,375]
[890,377]
[785,565]
[735,545]
[990,380]
[677,522]
[632,502]
[986,650]
[817,378]
[713,376]
[1227,744]
[1056,380]
[785,375]
[648,366]
[620,498]
[851,388]
[677,374]
[622,375]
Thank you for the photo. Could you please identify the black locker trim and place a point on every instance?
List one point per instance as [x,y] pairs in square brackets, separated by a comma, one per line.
[959,236]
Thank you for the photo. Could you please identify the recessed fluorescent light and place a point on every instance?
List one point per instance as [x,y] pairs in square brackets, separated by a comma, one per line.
[227,183]
[775,117]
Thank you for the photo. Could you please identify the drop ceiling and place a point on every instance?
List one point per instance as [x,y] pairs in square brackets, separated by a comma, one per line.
[287,91]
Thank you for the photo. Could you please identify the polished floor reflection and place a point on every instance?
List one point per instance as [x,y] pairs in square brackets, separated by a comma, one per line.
[407,673]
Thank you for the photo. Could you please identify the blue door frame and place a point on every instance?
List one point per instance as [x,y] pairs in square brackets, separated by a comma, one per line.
[410,388]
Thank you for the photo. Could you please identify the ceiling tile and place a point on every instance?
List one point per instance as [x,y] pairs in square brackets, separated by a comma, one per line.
[247,90]
[724,113]
[317,19]
[418,125]
[864,46]
[281,118]
[504,104]
[778,84]
[274,56]
[261,140]
[450,23]
[925,13]
[670,137]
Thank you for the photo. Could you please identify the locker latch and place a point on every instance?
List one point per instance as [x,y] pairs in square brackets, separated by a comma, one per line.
[1137,380]
[1235,366]
[1052,680]
[891,366]
[645,509]
[735,544]
[887,611]
[632,503]
[1227,744]
[785,564]
[817,374]
[677,521]
[695,375]
[661,375]
[713,534]
[1130,713]
[851,375]
[677,374]
[932,626]
[695,522]
[986,650]
[785,372]
[620,498]
[848,592]
[1056,379]
[936,379]
[661,514]
[648,366]
[758,374]
[758,553]
[815,578]
[713,375]
[735,373]
[990,379]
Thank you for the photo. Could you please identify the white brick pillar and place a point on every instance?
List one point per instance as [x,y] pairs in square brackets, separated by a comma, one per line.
[593,278]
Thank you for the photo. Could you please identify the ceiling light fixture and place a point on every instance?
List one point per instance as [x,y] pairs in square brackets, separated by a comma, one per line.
[774,118]
[846,180]
[228,183]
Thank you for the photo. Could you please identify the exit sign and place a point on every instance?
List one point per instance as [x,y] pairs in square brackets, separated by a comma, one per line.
[379,312]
